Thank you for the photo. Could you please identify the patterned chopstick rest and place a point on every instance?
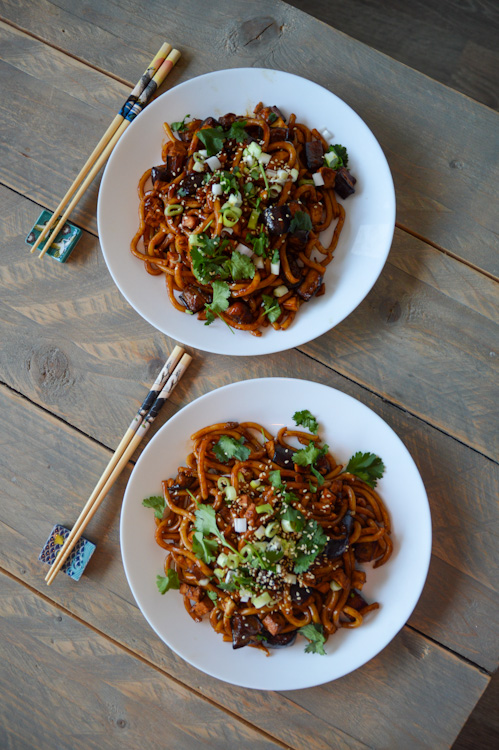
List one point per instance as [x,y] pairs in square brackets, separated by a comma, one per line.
[64,243]
[77,560]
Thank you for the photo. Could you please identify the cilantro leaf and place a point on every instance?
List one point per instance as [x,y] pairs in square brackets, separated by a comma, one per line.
[206,520]
[170,581]
[207,257]
[275,478]
[228,181]
[275,256]
[182,192]
[228,448]
[300,220]
[213,595]
[240,266]
[260,243]
[306,419]
[212,138]
[220,301]
[237,131]
[205,549]
[271,307]
[157,502]
[309,455]
[367,467]
[314,633]
[311,543]
[180,125]
[294,517]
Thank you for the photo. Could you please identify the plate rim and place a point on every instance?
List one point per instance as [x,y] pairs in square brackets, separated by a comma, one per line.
[195,339]
[425,519]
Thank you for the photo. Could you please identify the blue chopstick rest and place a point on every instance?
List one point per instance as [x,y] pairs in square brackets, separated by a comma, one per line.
[64,243]
[78,558]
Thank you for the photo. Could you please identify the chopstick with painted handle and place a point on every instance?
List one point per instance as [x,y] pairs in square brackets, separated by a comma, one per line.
[136,108]
[91,507]
[146,77]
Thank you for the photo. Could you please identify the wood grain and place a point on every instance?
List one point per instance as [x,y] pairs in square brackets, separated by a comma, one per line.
[84,691]
[410,679]
[426,332]
[446,182]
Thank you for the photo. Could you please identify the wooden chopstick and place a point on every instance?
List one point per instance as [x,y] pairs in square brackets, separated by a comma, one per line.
[135,434]
[153,66]
[132,107]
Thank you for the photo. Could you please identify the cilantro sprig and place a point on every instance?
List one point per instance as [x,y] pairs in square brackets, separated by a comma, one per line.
[156,502]
[301,220]
[220,301]
[366,466]
[311,544]
[180,126]
[309,456]
[228,447]
[271,307]
[170,581]
[213,138]
[307,420]
[314,633]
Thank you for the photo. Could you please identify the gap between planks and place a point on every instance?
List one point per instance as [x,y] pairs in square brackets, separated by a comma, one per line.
[15,26]
[452,255]
[143,660]
[117,78]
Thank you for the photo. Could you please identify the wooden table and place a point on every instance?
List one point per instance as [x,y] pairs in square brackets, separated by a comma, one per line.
[80,667]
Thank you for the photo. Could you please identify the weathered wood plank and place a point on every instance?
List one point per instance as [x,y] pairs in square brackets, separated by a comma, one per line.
[410,680]
[64,685]
[446,182]
[424,334]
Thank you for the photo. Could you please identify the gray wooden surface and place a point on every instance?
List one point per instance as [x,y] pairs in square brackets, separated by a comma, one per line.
[76,360]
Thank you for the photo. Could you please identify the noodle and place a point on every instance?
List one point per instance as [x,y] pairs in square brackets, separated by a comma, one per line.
[264,536]
[232,217]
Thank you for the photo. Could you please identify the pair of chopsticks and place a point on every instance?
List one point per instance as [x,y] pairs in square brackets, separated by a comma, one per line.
[173,369]
[150,81]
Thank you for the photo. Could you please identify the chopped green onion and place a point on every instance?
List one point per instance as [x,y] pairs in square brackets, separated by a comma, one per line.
[230,493]
[173,209]
[255,483]
[262,172]
[254,149]
[305,181]
[219,572]
[272,529]
[334,586]
[286,526]
[262,600]
[240,476]
[253,219]
[267,508]
[260,532]
[223,483]
[222,559]
[197,156]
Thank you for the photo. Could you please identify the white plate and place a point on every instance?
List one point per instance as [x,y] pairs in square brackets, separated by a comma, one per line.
[347,426]
[364,242]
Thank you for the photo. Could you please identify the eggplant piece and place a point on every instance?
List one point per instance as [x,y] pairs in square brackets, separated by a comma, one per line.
[245,628]
[283,456]
[298,239]
[240,313]
[209,122]
[356,601]
[310,285]
[191,182]
[347,522]
[276,111]
[314,155]
[282,640]
[336,547]
[299,594]
[227,120]
[278,134]
[277,219]
[160,174]
[322,464]
[344,183]
[192,298]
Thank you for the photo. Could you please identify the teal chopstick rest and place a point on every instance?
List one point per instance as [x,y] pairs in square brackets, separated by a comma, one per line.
[78,558]
[64,243]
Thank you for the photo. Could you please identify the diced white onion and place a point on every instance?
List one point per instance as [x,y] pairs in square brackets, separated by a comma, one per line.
[240,525]
[271,173]
[244,595]
[275,268]
[198,167]
[216,189]
[264,158]
[326,134]
[258,262]
[229,230]
[248,160]
[254,149]
[204,581]
[260,532]
[214,163]
[281,290]
[282,174]
[229,576]
[244,250]
[235,199]
[203,153]
[294,174]
[290,578]
[318,179]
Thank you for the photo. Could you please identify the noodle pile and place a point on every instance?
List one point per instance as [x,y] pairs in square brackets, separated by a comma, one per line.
[232,217]
[263,536]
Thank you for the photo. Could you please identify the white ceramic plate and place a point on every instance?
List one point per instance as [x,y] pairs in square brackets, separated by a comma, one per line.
[364,242]
[347,426]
